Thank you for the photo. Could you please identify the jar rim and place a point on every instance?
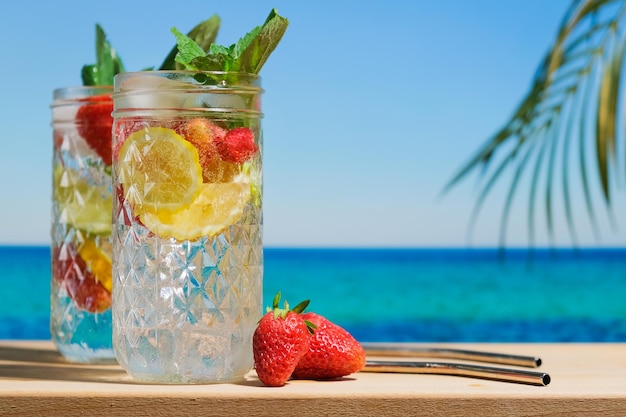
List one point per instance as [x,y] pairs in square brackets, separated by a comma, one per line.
[80,91]
[184,79]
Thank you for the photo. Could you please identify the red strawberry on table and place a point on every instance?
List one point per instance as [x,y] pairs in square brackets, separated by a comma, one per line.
[94,123]
[280,340]
[332,353]
[237,145]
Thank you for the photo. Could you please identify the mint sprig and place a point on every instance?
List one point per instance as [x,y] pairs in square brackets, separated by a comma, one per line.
[203,35]
[248,55]
[108,63]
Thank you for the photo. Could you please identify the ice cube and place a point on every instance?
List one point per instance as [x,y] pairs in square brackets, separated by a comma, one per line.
[150,92]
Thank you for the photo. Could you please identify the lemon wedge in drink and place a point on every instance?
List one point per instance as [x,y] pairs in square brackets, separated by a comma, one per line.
[160,171]
[82,205]
[98,262]
[218,206]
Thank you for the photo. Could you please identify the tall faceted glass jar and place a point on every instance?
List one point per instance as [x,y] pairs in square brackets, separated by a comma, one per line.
[80,297]
[187,236]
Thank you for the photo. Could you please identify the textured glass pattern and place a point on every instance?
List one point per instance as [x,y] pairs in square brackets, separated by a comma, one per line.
[186,311]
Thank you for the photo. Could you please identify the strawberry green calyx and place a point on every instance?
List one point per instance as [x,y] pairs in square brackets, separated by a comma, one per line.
[108,63]
[282,312]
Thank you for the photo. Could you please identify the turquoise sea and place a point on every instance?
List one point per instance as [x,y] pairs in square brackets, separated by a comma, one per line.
[422,295]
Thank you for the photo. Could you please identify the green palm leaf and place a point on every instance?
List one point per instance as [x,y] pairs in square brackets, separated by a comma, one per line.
[576,86]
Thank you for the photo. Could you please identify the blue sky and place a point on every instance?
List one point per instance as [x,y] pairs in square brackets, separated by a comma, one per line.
[370,108]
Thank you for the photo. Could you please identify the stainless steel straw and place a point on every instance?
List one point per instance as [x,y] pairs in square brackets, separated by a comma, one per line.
[407,351]
[459,369]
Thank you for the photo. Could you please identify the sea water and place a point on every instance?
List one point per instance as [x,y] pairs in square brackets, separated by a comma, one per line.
[421,295]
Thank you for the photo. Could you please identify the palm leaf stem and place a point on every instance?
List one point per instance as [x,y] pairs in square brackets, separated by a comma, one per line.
[606,118]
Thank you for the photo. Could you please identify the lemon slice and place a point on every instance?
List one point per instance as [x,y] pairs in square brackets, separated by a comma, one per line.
[82,205]
[160,170]
[218,206]
[98,262]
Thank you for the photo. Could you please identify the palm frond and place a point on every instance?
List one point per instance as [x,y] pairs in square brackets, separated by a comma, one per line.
[577,83]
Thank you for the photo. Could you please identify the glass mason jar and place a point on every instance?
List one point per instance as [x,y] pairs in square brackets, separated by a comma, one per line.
[187,234]
[80,298]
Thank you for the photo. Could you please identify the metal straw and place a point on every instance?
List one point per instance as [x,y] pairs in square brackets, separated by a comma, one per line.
[459,369]
[399,350]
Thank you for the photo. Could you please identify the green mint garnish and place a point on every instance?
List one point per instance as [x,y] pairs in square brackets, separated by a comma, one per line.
[247,55]
[107,63]
[203,35]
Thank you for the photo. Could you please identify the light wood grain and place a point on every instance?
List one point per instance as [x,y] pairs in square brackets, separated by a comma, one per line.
[587,380]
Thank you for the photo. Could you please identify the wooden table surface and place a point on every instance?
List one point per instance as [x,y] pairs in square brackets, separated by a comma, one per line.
[586,380]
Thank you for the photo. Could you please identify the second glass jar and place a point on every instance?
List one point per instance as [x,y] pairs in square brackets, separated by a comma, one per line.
[80,298]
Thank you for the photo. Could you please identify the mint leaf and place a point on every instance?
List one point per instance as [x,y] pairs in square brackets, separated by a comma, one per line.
[220,49]
[107,63]
[249,54]
[254,49]
[244,42]
[203,34]
[188,49]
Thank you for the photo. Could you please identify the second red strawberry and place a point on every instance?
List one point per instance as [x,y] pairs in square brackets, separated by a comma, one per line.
[94,123]
[333,351]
